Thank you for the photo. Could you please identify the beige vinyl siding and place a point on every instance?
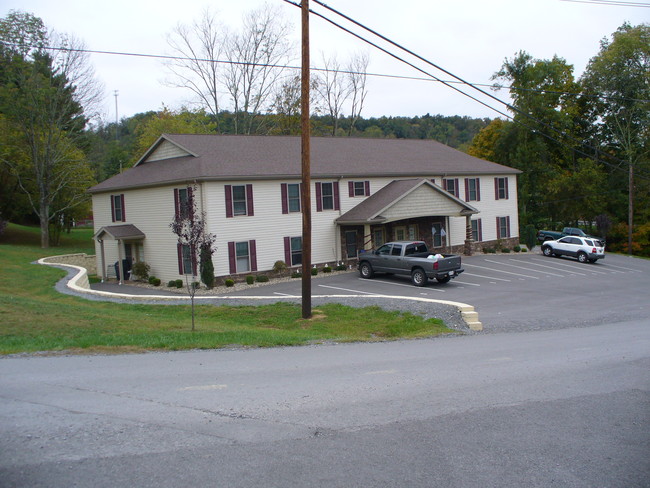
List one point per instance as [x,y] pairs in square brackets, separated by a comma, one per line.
[420,201]
[167,150]
[490,208]
[150,210]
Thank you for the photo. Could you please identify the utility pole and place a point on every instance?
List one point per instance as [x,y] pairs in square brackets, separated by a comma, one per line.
[306,166]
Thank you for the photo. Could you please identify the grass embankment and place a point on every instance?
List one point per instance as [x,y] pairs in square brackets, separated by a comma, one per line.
[35,317]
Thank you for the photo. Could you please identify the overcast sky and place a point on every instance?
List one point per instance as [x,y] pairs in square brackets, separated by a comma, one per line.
[469,38]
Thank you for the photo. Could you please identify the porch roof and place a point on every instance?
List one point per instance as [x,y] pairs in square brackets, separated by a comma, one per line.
[120,232]
[404,199]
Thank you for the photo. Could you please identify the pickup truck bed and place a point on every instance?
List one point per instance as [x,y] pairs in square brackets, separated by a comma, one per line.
[410,258]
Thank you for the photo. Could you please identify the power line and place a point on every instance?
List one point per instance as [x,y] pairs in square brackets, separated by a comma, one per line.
[429,78]
[611,3]
[510,107]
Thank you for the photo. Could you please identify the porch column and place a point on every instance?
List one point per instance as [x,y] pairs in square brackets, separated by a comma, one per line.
[468,235]
[103,259]
[120,265]
[367,237]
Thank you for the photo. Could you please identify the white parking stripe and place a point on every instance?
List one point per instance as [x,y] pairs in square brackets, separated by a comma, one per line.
[465,283]
[622,267]
[555,268]
[400,284]
[523,267]
[284,294]
[346,289]
[501,271]
[571,266]
[487,277]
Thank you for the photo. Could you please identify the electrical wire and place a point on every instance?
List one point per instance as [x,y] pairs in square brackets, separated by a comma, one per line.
[611,3]
[483,92]
[496,87]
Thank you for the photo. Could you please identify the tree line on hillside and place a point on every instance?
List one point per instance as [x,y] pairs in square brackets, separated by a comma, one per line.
[582,144]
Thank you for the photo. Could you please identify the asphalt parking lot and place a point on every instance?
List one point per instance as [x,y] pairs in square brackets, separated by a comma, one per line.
[525,291]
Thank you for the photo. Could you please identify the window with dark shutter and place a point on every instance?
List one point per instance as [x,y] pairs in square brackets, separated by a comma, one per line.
[118,212]
[501,188]
[290,193]
[239,200]
[472,190]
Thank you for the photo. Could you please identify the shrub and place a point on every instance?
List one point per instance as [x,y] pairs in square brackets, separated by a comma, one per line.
[341,267]
[230,283]
[155,281]
[140,270]
[150,279]
[505,249]
[196,285]
[250,279]
[279,267]
[530,236]
[523,249]
[314,271]
[492,251]
[179,283]
[296,274]
[172,284]
[327,269]
[262,279]
[517,248]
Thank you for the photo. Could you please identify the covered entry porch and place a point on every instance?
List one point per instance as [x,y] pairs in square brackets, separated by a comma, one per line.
[125,245]
[414,209]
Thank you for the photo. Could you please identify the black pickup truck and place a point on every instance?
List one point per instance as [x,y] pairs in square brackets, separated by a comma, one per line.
[410,258]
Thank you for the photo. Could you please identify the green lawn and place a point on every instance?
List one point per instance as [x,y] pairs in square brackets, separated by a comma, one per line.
[35,317]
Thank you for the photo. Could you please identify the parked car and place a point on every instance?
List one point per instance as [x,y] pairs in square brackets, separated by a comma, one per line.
[551,235]
[586,249]
[410,258]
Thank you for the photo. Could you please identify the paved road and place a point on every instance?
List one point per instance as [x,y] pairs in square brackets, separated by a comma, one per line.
[567,407]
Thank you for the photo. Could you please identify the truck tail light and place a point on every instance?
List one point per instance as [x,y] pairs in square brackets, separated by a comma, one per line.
[594,251]
[435,265]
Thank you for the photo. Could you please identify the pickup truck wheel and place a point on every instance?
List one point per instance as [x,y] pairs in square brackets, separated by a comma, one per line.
[365,270]
[582,257]
[418,277]
[444,280]
[547,250]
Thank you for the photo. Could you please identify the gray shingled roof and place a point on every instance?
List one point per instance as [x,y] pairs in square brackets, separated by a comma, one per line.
[368,211]
[224,157]
[121,231]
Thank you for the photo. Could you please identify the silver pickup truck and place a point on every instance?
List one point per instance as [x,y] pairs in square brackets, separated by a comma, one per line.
[410,258]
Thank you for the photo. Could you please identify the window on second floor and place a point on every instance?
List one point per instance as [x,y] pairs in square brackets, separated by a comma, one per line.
[290,193]
[239,200]
[501,188]
[327,196]
[118,213]
[451,185]
[183,202]
[472,190]
[359,188]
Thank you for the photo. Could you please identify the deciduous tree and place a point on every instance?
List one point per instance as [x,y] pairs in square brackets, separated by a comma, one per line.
[47,92]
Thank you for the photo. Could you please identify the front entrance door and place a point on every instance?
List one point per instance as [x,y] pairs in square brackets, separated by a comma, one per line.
[351,244]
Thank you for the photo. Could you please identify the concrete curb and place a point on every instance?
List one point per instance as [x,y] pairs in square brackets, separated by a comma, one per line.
[79,283]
